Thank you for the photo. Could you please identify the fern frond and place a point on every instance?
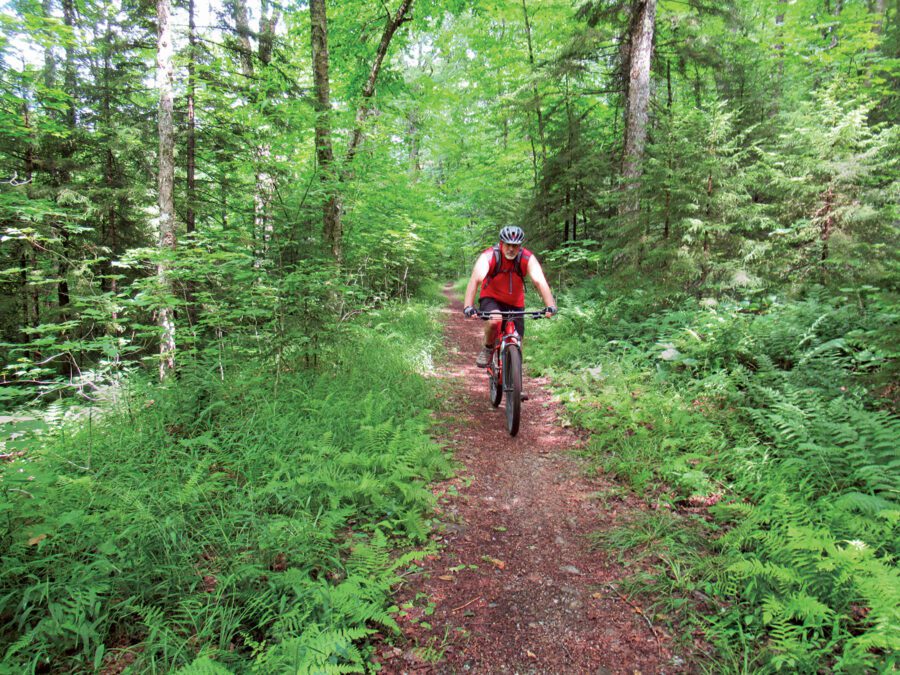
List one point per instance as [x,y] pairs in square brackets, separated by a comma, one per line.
[203,665]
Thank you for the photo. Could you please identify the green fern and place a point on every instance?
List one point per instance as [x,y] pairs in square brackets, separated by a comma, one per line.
[203,665]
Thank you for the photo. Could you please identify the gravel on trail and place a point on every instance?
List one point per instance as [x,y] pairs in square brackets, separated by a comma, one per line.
[516,586]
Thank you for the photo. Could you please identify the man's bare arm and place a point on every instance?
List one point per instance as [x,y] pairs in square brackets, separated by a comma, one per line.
[479,272]
[536,274]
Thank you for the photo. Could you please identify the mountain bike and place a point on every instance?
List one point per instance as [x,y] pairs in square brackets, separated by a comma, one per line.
[505,367]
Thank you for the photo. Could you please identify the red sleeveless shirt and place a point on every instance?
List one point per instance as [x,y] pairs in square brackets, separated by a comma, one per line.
[504,283]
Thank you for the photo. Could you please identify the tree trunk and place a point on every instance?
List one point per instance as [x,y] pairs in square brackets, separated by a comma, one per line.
[668,212]
[827,220]
[49,60]
[570,144]
[412,130]
[267,24]
[534,89]
[575,212]
[698,87]
[25,294]
[831,31]
[242,24]
[534,164]
[265,180]
[109,283]
[879,8]
[638,102]
[190,224]
[331,208]
[669,87]
[109,163]
[705,266]
[166,182]
[70,80]
[35,290]
[779,46]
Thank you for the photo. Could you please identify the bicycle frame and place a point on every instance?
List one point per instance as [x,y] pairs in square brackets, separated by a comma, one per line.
[506,336]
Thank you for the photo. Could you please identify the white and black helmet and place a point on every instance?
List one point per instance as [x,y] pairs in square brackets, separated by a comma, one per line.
[511,234]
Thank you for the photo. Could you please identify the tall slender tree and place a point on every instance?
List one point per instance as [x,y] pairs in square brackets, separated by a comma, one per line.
[331,208]
[191,121]
[535,92]
[166,180]
[637,100]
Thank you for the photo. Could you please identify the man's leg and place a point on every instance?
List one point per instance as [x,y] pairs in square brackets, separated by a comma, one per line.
[490,332]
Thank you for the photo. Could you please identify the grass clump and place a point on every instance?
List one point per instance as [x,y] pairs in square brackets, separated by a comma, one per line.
[245,524]
[764,428]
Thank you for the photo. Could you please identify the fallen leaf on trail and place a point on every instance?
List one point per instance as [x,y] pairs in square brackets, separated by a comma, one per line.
[34,541]
[597,596]
[446,577]
[530,654]
[499,564]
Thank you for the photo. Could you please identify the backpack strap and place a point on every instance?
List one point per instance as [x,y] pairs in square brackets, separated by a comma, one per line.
[522,262]
[494,268]
[495,263]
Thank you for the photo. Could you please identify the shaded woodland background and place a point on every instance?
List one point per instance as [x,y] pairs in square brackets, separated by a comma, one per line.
[769,127]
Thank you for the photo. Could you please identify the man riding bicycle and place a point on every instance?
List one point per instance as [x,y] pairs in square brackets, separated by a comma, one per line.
[501,272]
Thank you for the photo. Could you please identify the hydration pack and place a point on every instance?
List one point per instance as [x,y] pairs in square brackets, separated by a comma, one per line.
[494,269]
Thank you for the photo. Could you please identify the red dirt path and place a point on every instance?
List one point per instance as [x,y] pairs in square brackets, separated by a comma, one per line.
[516,587]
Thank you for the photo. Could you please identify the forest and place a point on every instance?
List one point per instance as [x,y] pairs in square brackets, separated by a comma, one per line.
[224,229]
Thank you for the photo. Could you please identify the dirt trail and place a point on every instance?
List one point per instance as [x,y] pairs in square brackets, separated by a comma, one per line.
[516,587]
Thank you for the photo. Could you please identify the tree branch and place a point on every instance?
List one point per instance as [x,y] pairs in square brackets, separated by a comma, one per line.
[390,27]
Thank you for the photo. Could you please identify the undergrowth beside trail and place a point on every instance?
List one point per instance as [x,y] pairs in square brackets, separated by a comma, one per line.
[251,524]
[763,435]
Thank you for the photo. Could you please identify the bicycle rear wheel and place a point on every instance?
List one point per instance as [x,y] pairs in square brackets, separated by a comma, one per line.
[512,383]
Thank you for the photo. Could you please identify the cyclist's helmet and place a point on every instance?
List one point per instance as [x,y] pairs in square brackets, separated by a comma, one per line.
[512,234]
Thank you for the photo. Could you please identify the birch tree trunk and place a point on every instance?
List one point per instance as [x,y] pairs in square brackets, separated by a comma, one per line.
[638,100]
[166,181]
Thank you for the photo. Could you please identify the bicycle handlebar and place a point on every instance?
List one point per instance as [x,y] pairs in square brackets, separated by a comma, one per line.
[511,314]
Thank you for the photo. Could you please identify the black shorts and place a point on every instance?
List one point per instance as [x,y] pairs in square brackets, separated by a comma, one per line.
[491,305]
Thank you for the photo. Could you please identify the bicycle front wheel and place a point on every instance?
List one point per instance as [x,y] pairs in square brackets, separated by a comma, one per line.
[496,383]
[512,384]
